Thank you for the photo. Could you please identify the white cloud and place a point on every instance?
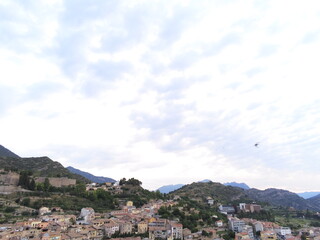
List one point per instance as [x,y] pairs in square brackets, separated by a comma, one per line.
[167,92]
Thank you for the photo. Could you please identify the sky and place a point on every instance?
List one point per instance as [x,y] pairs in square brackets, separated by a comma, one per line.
[165,91]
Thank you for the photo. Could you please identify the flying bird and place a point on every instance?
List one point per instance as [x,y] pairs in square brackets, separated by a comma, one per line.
[256,145]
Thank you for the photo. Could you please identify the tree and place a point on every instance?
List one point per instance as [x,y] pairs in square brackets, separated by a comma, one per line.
[40,187]
[26,202]
[46,185]
[24,179]
[32,185]
[80,189]
[205,233]
[134,182]
[122,181]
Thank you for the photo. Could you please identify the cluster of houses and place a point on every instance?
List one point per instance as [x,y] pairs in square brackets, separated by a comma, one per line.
[131,223]
[52,224]
[249,229]
[112,187]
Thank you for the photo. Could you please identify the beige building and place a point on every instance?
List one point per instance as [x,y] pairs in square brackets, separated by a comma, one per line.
[129,204]
[268,235]
[142,227]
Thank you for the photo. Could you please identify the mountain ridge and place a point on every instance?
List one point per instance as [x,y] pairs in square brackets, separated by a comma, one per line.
[235,184]
[218,191]
[170,188]
[40,167]
[44,166]
[89,176]
[280,197]
[308,195]
[4,152]
[173,187]
[226,194]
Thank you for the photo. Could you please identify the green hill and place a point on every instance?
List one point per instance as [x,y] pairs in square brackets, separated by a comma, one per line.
[284,198]
[39,166]
[218,191]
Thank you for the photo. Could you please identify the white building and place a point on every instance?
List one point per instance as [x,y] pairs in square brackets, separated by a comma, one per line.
[235,224]
[219,223]
[258,226]
[284,231]
[43,211]
[87,215]
[249,230]
[111,228]
[176,230]
[210,201]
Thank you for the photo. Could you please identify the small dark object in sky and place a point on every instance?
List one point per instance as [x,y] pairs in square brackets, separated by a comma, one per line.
[256,145]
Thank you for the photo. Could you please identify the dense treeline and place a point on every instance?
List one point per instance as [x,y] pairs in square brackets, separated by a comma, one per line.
[131,181]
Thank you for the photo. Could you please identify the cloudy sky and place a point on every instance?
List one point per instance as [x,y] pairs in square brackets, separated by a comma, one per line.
[165,91]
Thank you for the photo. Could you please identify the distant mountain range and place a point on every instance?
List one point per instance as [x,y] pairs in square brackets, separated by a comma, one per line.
[279,197]
[226,194]
[307,195]
[235,184]
[219,192]
[173,187]
[90,177]
[170,188]
[205,180]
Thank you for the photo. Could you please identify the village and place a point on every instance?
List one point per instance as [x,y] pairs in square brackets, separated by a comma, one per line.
[145,222]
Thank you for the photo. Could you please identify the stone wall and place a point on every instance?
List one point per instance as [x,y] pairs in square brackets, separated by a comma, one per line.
[9,178]
[11,189]
[57,182]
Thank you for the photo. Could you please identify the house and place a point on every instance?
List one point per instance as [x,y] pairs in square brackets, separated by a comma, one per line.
[242,236]
[128,238]
[129,204]
[99,222]
[269,226]
[159,229]
[111,228]
[226,209]
[43,225]
[43,211]
[125,227]
[219,223]
[244,207]
[235,224]
[176,230]
[258,226]
[187,233]
[249,230]
[210,201]
[109,184]
[75,236]
[268,235]
[51,236]
[142,227]
[283,231]
[86,216]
